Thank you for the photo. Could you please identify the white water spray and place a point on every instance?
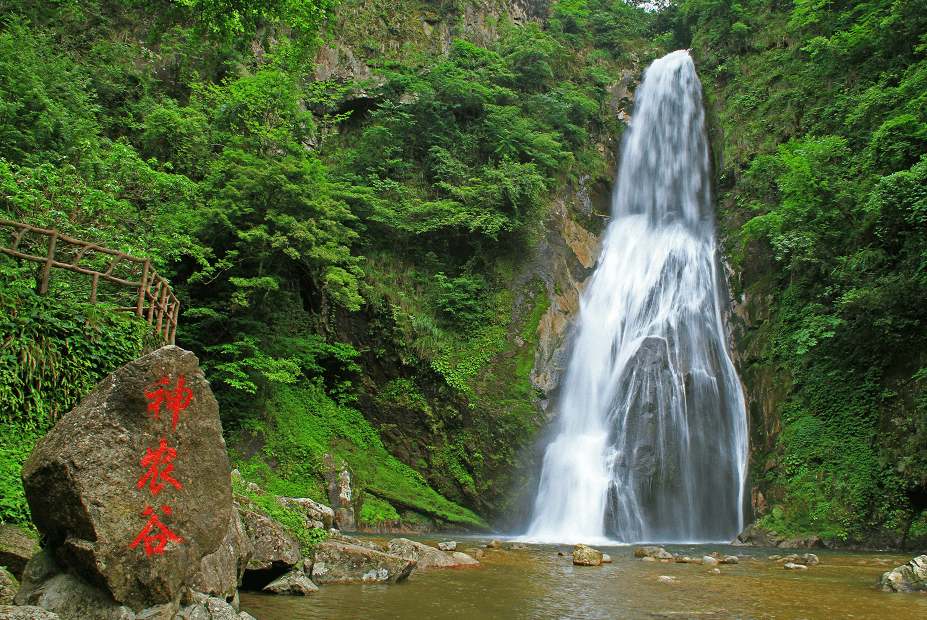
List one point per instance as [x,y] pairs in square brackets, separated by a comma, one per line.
[652,442]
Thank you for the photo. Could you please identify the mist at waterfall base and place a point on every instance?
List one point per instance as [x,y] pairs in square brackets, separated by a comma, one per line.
[651,444]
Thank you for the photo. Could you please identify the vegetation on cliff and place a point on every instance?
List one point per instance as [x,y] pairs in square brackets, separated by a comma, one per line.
[344,244]
[823,191]
[342,248]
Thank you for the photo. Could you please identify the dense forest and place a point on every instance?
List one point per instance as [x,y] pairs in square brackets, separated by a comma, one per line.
[353,249]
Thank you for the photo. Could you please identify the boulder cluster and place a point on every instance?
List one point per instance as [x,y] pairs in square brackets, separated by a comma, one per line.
[133,496]
[910,577]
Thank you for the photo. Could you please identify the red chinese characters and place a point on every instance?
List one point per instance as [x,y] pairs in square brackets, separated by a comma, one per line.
[177,399]
[157,467]
[155,543]
[152,460]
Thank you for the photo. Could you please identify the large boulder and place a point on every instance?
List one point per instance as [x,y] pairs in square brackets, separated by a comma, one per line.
[910,577]
[426,556]
[274,548]
[340,562]
[221,572]
[16,548]
[132,487]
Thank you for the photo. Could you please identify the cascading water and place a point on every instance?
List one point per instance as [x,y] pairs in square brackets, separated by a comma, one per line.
[652,441]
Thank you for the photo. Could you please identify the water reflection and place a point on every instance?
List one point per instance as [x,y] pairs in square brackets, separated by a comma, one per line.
[538,584]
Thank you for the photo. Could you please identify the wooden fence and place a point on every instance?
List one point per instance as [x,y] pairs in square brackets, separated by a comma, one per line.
[156,301]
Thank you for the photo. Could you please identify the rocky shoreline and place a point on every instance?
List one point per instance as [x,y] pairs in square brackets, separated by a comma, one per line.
[141,517]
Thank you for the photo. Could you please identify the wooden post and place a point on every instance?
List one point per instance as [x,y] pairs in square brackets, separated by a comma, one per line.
[142,288]
[48,264]
[162,310]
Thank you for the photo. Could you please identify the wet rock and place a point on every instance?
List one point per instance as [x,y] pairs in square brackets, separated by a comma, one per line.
[16,549]
[707,560]
[561,553]
[775,558]
[476,554]
[28,612]
[494,544]
[649,558]
[794,566]
[910,577]
[667,579]
[520,546]
[244,615]
[293,583]
[715,571]
[808,559]
[339,562]
[728,559]
[8,586]
[606,559]
[448,546]
[684,559]
[426,556]
[132,487]
[221,572]
[584,555]
[273,545]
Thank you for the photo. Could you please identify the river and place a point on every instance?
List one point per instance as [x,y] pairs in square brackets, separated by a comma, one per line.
[539,584]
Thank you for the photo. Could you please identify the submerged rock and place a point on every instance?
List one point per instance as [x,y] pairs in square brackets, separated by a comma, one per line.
[132,487]
[910,577]
[667,579]
[707,560]
[339,562]
[584,555]
[794,566]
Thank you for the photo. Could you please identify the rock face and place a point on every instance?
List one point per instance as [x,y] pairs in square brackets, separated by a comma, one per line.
[584,555]
[220,573]
[16,547]
[8,586]
[273,546]
[317,515]
[339,492]
[339,562]
[29,612]
[46,585]
[428,557]
[132,487]
[910,577]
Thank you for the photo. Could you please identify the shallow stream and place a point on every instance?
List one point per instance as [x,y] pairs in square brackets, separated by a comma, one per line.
[539,584]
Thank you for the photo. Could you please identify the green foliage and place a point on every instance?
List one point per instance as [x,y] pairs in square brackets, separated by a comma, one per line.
[821,110]
[52,353]
[375,510]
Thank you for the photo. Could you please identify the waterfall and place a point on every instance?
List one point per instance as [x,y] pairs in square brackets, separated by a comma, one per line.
[651,442]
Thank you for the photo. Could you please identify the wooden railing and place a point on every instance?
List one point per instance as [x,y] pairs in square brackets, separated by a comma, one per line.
[155,300]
